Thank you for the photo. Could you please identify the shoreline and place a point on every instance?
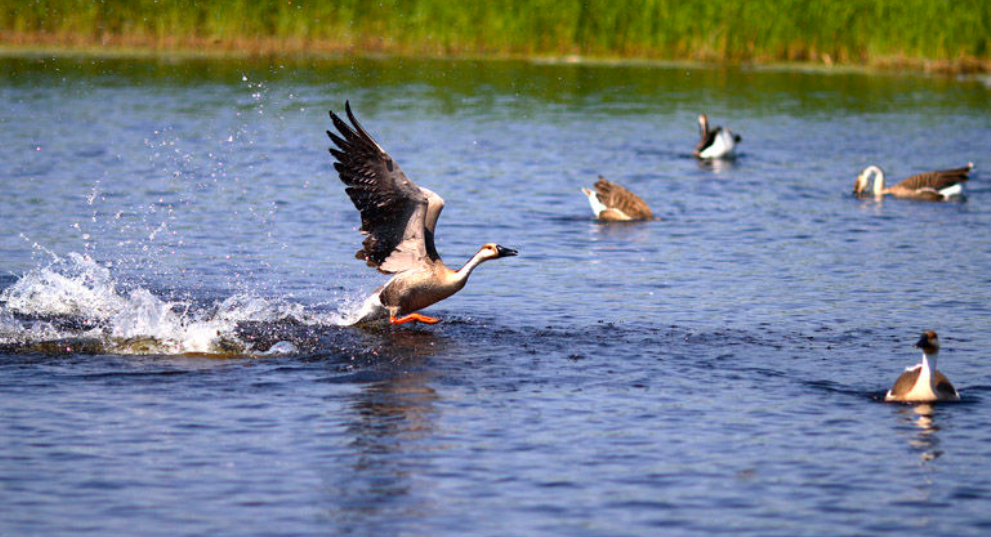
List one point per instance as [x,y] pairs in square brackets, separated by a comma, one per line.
[33,44]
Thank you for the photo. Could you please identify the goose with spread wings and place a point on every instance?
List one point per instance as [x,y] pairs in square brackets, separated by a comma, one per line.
[939,185]
[398,218]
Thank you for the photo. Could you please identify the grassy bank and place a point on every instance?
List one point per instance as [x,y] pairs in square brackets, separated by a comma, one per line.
[912,32]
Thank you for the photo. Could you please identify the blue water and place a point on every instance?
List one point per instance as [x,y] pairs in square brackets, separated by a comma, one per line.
[177,257]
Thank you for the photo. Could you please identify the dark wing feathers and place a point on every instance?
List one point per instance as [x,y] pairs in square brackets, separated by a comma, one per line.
[943,384]
[614,196]
[906,381]
[707,139]
[393,209]
[937,180]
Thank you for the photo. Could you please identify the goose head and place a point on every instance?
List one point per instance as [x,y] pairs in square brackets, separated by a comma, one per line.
[594,202]
[928,342]
[861,185]
[863,181]
[486,252]
[495,251]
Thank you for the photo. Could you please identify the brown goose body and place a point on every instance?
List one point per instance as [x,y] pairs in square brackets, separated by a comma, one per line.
[923,383]
[413,290]
[902,390]
[399,219]
[937,185]
[613,203]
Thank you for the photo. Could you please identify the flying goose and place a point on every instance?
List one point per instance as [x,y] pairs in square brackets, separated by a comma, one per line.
[398,218]
[932,186]
[613,203]
[715,143]
[923,383]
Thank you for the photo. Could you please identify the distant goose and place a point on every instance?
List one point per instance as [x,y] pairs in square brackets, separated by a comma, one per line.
[613,203]
[715,143]
[399,219]
[932,186]
[923,383]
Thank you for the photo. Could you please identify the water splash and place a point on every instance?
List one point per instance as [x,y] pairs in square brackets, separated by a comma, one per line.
[74,286]
[354,310]
[76,299]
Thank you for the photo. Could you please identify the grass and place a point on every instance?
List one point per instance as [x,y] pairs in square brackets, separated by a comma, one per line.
[956,32]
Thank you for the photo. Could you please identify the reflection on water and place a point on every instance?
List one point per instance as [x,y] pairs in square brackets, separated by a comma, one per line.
[626,233]
[391,422]
[926,441]
[719,165]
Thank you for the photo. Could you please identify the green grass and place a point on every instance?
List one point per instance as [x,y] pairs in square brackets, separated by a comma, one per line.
[852,31]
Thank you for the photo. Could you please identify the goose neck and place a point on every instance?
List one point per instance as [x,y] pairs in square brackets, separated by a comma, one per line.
[878,179]
[461,275]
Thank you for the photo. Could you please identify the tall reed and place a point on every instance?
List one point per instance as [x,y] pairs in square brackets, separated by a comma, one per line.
[851,30]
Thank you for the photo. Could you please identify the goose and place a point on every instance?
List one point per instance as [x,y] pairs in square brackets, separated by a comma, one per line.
[715,143]
[932,186]
[922,383]
[613,203]
[398,218]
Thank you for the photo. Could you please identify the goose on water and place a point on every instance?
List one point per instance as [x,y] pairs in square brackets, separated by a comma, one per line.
[613,203]
[922,383]
[932,186]
[398,218]
[715,143]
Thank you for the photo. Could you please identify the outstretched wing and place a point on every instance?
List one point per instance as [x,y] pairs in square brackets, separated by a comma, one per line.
[614,196]
[394,211]
[937,180]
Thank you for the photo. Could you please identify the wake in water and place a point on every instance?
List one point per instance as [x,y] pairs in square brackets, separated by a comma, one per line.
[75,305]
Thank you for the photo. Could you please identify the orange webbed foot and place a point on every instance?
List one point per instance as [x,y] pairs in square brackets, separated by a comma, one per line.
[413,317]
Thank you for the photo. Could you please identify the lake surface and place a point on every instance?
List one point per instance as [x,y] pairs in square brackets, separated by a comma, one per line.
[176,259]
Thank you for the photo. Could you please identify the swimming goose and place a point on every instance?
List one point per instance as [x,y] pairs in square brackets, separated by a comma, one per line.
[923,383]
[715,143]
[399,218]
[613,203]
[931,186]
